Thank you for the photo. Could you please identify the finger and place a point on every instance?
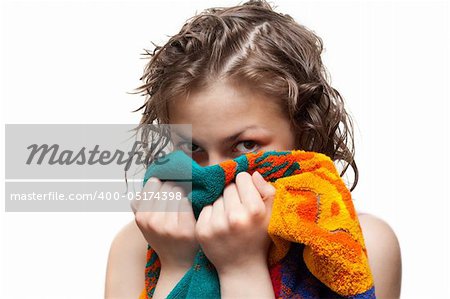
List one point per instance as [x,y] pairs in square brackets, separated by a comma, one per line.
[248,193]
[155,207]
[232,201]
[171,214]
[176,204]
[145,202]
[162,200]
[218,220]
[234,209]
[266,190]
[202,225]
[168,194]
[185,212]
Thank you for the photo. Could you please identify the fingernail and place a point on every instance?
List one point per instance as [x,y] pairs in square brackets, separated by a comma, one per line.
[270,187]
[153,179]
[259,176]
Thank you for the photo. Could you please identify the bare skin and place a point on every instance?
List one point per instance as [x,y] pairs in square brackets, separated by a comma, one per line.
[216,113]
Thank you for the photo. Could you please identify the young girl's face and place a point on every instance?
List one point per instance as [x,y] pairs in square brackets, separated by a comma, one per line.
[229,121]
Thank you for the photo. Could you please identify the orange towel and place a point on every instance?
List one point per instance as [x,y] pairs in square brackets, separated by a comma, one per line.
[318,247]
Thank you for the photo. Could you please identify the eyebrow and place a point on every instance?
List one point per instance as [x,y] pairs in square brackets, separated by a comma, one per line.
[228,139]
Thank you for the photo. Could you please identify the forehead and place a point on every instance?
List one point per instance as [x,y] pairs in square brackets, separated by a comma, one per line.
[223,102]
[223,110]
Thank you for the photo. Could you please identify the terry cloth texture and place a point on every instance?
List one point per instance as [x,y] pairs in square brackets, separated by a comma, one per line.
[318,249]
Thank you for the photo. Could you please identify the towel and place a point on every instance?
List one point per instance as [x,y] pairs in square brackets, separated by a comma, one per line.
[317,248]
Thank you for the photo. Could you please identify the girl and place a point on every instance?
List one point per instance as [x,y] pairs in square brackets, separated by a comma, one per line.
[248,79]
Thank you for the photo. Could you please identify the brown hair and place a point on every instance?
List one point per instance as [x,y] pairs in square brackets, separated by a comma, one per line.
[252,43]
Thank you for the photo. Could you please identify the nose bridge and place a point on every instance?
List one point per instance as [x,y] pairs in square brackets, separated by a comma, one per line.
[215,157]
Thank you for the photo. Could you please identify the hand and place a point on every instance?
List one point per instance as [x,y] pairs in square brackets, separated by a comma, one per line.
[233,230]
[167,225]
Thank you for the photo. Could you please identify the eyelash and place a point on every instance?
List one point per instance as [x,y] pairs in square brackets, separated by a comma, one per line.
[254,142]
[243,141]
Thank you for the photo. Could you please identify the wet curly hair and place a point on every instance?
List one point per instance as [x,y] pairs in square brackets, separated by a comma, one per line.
[252,43]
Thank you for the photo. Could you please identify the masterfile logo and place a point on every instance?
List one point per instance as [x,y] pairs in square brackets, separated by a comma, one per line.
[80,167]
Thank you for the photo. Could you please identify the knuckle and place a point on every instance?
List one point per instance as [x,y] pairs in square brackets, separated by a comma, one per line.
[270,191]
[219,228]
[154,223]
[237,221]
[170,229]
[139,218]
[145,221]
[178,189]
[256,211]
[203,233]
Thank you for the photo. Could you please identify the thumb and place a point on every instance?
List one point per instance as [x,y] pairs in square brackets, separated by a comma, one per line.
[266,190]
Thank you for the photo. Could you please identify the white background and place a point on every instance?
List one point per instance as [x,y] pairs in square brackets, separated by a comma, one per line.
[74,62]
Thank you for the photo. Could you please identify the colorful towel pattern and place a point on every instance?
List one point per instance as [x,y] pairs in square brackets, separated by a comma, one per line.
[318,249]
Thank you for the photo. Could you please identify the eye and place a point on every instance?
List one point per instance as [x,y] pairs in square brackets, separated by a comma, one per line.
[188,147]
[247,146]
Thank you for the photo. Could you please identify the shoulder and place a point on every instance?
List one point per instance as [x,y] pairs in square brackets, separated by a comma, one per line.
[383,250]
[126,263]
